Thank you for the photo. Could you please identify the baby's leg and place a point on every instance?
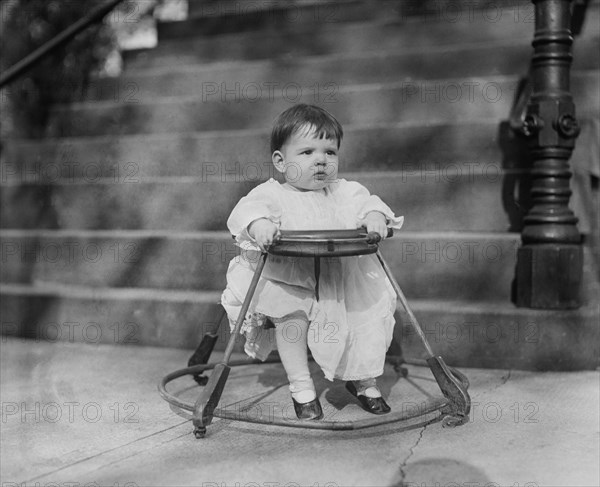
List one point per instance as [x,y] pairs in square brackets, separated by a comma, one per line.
[291,333]
[368,394]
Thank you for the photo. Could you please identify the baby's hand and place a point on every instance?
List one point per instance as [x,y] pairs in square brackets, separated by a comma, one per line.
[376,222]
[263,231]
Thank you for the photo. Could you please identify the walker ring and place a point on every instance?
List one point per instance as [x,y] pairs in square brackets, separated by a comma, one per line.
[454,407]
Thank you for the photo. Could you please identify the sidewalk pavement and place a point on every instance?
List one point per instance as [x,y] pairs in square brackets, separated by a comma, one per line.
[76,414]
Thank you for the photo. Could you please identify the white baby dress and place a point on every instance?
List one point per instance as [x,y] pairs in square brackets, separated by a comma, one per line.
[351,324]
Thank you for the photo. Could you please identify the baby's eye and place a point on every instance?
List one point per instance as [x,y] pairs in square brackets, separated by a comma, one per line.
[307,152]
[331,153]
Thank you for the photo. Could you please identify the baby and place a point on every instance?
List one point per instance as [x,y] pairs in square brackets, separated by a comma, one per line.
[348,325]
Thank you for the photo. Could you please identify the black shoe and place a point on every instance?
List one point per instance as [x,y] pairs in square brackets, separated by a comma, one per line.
[375,405]
[308,410]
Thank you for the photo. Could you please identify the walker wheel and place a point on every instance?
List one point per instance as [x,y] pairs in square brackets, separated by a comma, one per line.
[200,379]
[200,432]
[453,421]
[403,371]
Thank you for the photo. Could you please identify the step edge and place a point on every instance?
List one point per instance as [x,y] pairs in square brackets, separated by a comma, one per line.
[266,8]
[209,134]
[400,22]
[65,291]
[201,68]
[16,143]
[60,290]
[354,88]
[139,234]
[313,59]
[407,171]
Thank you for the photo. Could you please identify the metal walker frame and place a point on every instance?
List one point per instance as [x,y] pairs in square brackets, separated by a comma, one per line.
[454,407]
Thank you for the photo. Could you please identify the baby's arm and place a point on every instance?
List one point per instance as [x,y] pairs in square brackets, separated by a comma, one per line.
[371,212]
[255,219]
[376,221]
[263,231]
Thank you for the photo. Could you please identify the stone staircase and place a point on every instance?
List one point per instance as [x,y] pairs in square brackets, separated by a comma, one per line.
[113,226]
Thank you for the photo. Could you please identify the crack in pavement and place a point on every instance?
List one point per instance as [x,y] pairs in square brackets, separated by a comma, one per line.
[104,453]
[503,380]
[410,454]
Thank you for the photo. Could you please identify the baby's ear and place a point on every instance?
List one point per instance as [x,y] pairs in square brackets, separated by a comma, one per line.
[278,161]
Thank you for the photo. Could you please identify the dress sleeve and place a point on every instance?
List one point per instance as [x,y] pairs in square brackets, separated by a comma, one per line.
[261,202]
[365,202]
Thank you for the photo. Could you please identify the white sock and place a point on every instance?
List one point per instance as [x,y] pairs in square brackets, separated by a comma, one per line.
[367,387]
[292,345]
[304,396]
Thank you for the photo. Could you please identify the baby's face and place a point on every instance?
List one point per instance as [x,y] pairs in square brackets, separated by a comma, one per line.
[307,162]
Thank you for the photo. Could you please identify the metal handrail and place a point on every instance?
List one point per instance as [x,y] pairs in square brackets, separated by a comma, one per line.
[65,36]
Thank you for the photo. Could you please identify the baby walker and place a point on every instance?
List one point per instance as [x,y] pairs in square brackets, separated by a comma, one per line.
[454,407]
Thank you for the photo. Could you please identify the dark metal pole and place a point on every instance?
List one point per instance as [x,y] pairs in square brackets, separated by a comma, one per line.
[550,260]
[57,41]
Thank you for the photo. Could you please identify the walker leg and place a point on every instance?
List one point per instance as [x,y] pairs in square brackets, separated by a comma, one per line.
[402,298]
[209,399]
[211,394]
[452,384]
[205,348]
[454,389]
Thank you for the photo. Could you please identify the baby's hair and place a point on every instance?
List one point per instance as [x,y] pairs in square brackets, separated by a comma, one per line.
[299,116]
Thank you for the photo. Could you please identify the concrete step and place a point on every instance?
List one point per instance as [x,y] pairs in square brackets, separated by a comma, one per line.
[135,158]
[94,315]
[394,33]
[421,101]
[491,334]
[474,334]
[216,8]
[217,18]
[140,158]
[430,8]
[220,80]
[469,196]
[435,265]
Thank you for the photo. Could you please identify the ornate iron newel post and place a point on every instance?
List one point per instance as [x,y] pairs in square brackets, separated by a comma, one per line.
[550,260]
